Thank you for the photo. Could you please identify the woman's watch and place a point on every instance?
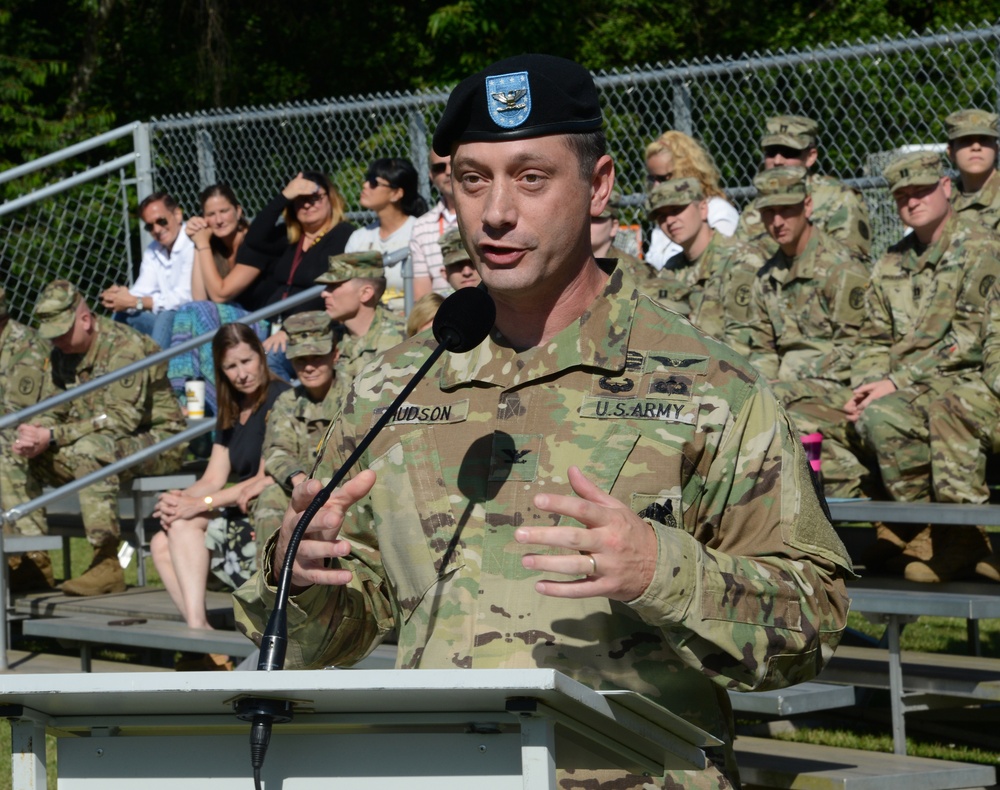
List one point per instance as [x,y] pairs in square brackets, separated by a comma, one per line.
[208,501]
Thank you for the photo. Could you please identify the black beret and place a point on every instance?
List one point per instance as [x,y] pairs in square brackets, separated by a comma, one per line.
[523,96]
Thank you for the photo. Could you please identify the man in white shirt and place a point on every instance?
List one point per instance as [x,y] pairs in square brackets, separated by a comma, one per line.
[425,252]
[164,281]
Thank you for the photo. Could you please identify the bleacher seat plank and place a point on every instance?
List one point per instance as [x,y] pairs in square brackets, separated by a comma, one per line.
[808,697]
[769,763]
[156,634]
[945,674]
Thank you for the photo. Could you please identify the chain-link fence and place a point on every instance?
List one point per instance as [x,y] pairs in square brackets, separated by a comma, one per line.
[870,99]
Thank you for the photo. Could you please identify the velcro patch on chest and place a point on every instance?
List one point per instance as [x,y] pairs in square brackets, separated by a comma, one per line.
[638,409]
[438,414]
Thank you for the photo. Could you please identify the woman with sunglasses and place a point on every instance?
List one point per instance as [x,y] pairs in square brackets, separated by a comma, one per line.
[390,190]
[676,155]
[287,256]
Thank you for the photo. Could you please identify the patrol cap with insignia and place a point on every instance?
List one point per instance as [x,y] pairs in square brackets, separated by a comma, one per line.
[309,334]
[795,131]
[919,168]
[523,96]
[674,193]
[781,186]
[452,248]
[349,265]
[966,123]
[55,309]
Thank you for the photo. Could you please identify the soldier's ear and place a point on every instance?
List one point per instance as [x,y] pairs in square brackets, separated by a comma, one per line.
[810,159]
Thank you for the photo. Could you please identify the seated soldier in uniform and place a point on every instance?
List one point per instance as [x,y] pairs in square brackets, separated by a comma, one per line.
[23,358]
[925,310]
[299,418]
[840,210]
[972,148]
[709,280]
[806,311]
[98,428]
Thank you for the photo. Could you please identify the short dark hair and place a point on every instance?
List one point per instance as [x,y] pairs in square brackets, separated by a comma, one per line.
[588,147]
[401,174]
[168,201]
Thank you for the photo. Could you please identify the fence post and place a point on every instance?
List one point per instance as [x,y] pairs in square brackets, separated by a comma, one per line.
[681,107]
[206,158]
[143,171]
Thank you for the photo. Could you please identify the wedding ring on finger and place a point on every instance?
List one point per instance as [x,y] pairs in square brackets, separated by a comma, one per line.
[593,564]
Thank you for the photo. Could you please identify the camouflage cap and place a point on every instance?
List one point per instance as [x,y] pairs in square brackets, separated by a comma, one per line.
[452,248]
[349,265]
[919,168]
[676,192]
[309,333]
[3,304]
[781,186]
[611,207]
[55,309]
[795,131]
[966,123]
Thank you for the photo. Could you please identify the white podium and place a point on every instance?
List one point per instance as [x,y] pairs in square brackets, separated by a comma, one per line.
[352,729]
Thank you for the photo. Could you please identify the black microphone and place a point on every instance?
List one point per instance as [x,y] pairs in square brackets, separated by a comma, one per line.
[461,323]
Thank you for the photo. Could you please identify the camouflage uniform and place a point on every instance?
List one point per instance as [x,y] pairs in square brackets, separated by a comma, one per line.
[296,424]
[105,425]
[963,425]
[925,311]
[983,205]
[838,209]
[749,593]
[803,327]
[24,357]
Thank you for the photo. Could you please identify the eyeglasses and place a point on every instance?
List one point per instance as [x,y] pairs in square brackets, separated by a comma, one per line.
[784,151]
[161,221]
[306,200]
[374,183]
[438,168]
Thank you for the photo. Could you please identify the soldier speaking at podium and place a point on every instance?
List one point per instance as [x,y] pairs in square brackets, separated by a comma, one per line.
[597,488]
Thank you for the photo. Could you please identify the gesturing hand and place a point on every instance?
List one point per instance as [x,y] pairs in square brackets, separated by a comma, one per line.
[617,549]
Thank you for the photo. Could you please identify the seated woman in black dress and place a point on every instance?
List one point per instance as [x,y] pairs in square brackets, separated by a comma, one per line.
[204,526]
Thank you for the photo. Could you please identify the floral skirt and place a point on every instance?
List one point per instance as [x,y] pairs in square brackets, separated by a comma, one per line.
[231,542]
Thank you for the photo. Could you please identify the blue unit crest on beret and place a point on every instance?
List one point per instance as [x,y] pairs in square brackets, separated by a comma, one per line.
[509,99]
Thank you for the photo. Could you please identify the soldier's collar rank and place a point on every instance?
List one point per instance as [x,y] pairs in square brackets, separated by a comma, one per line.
[510,99]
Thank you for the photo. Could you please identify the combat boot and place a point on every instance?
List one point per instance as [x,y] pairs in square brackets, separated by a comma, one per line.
[105,575]
[956,552]
[891,540]
[31,571]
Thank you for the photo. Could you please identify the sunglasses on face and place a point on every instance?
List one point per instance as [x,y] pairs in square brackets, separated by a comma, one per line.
[653,179]
[374,183]
[161,221]
[306,200]
[438,168]
[783,151]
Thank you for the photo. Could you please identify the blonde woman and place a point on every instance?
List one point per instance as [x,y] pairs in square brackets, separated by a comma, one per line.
[676,155]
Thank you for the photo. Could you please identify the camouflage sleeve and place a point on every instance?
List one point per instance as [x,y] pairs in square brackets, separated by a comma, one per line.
[737,299]
[763,604]
[872,360]
[844,293]
[848,221]
[759,331]
[328,625]
[959,307]
[284,450]
[991,340]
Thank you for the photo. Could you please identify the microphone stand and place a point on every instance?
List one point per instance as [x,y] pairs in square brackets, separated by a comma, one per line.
[453,330]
